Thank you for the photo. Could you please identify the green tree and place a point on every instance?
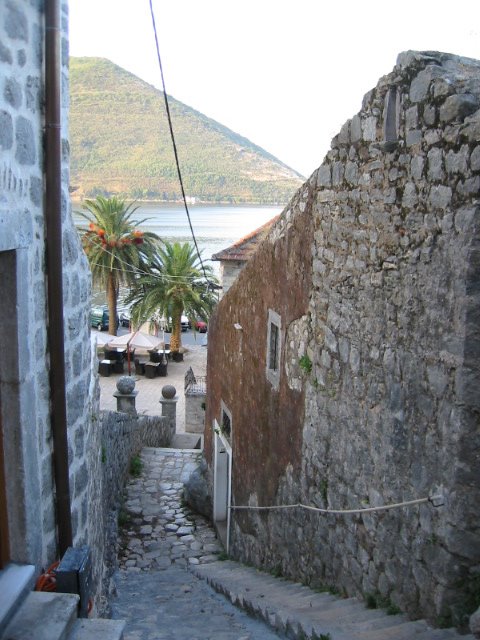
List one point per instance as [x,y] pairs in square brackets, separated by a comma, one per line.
[176,285]
[116,248]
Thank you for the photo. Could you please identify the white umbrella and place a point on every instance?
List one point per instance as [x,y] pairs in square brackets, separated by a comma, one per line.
[135,339]
[101,339]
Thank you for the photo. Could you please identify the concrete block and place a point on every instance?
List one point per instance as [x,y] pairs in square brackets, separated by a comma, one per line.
[15,582]
[43,616]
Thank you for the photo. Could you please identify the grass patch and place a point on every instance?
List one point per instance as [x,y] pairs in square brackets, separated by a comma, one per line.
[136,466]
[305,364]
[123,518]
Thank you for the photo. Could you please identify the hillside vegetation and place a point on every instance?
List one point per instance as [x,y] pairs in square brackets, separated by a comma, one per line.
[120,144]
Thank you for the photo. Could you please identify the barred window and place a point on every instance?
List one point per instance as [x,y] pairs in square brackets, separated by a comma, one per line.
[273,351]
[274,342]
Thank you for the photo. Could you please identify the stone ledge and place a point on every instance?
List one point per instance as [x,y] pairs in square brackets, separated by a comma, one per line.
[15,582]
[43,616]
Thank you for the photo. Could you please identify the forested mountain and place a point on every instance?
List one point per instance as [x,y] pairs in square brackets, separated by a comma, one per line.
[120,143]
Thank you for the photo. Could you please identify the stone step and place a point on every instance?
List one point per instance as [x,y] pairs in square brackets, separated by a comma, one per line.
[299,612]
[15,583]
[97,629]
[186,441]
[43,616]
[53,616]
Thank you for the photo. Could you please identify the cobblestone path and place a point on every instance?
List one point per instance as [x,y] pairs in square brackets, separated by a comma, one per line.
[156,593]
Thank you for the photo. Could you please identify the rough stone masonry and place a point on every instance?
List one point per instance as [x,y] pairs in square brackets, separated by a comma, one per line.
[382,355]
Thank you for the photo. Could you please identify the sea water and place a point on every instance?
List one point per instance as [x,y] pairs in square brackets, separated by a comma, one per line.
[216,227]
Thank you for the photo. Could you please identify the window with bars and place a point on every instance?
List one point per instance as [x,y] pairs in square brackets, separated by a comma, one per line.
[273,351]
[226,424]
[274,339]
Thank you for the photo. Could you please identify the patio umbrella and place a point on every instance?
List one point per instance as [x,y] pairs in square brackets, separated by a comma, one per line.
[136,339]
[100,339]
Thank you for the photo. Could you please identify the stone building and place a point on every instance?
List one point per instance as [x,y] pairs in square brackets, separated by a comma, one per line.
[234,258]
[343,363]
[30,487]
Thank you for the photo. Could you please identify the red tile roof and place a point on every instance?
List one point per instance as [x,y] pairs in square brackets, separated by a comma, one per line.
[244,248]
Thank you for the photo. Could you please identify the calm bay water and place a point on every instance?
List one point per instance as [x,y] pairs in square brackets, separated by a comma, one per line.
[216,227]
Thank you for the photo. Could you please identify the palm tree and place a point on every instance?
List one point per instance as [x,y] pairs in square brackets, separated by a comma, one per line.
[116,248]
[177,284]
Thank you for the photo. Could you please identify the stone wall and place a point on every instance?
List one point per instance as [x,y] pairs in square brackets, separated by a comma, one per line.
[383,359]
[195,412]
[99,450]
[236,356]
[116,438]
[24,370]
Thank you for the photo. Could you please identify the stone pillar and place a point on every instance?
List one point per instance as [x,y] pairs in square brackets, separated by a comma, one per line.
[169,401]
[126,395]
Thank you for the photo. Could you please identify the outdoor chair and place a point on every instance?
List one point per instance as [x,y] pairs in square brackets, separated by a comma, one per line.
[139,367]
[118,366]
[151,369]
[155,356]
[104,367]
[162,368]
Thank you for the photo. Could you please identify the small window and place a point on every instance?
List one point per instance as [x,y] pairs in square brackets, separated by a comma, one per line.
[226,425]
[273,351]
[274,339]
[226,422]
[391,118]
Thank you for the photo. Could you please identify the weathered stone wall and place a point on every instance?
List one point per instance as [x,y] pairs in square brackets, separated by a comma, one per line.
[99,450]
[195,412]
[115,439]
[392,338]
[24,373]
[262,448]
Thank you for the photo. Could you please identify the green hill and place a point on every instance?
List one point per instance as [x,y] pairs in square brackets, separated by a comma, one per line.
[120,143]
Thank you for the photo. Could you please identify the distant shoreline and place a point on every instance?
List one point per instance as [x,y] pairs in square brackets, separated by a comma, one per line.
[223,203]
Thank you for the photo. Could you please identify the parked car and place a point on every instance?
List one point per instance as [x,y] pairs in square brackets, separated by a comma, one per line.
[201,326]
[99,318]
[185,322]
[124,317]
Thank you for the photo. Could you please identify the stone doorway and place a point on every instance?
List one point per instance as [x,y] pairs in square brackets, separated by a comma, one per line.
[222,485]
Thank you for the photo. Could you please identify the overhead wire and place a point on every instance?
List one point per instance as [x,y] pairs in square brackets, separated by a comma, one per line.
[169,118]
[137,270]
[151,275]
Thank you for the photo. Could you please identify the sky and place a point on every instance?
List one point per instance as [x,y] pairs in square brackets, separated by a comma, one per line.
[286,74]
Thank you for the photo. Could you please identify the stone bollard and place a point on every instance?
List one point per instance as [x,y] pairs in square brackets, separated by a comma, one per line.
[126,395]
[169,406]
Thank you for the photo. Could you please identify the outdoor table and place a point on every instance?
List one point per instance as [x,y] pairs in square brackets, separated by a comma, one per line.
[117,354]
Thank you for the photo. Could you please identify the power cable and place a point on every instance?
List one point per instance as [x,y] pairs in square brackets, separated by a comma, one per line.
[151,275]
[137,270]
[167,108]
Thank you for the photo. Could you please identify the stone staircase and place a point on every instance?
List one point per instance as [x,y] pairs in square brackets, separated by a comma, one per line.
[35,615]
[299,612]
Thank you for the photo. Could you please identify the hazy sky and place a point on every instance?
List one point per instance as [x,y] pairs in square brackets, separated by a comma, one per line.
[284,73]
